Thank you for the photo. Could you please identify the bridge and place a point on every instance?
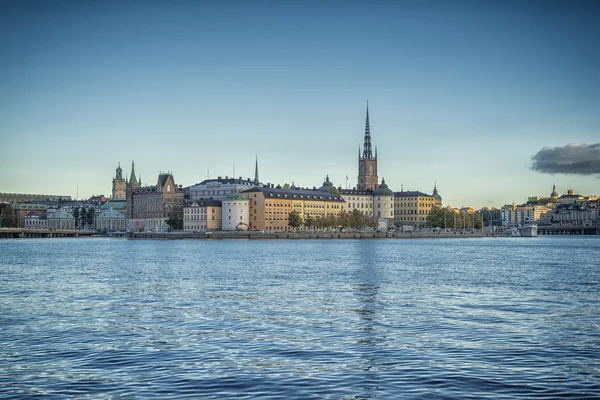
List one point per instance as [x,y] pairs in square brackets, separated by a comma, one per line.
[7,233]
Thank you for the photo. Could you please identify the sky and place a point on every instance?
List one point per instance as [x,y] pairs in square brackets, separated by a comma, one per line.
[494,101]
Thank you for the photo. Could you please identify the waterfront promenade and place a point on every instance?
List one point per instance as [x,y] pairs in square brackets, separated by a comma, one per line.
[309,235]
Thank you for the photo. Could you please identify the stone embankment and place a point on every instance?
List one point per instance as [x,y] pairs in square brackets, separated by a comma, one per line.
[309,235]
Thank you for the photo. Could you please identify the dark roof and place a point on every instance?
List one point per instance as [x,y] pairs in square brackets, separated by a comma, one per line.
[162,179]
[227,181]
[411,194]
[383,190]
[356,192]
[304,194]
[152,189]
[205,203]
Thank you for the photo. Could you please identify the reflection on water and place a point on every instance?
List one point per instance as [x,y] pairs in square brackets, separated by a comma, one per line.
[466,318]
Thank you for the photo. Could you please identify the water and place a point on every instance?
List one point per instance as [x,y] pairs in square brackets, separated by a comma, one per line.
[333,319]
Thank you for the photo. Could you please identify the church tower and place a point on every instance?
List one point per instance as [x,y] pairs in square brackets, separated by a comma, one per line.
[367,163]
[118,184]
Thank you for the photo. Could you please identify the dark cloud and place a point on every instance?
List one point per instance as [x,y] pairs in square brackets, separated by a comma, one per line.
[579,159]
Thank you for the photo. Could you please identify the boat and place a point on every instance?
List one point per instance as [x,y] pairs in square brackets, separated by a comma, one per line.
[528,230]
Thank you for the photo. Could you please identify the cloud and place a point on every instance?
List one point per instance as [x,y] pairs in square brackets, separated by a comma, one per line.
[577,159]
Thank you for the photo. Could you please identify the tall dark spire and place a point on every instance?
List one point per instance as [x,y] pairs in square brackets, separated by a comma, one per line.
[132,179]
[256,172]
[367,153]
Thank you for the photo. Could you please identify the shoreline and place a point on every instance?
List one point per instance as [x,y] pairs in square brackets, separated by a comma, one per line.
[304,235]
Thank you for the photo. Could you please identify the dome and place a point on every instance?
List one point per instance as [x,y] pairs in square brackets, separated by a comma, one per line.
[236,197]
[383,190]
[327,185]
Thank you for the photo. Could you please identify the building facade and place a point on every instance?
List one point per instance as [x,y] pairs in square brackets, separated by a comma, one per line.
[270,207]
[218,189]
[202,215]
[361,200]
[110,220]
[61,220]
[23,210]
[383,204]
[33,221]
[154,205]
[412,208]
[235,213]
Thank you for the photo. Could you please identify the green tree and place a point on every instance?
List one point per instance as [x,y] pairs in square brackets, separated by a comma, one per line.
[8,218]
[89,218]
[76,216]
[294,219]
[309,221]
[175,223]
[286,186]
[343,219]
[334,191]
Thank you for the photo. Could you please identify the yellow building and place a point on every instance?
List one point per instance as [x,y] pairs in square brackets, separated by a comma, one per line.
[270,207]
[202,215]
[412,208]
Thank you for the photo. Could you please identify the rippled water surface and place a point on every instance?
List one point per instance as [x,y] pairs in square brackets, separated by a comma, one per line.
[340,319]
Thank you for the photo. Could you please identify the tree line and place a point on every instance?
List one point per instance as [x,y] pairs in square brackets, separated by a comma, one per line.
[442,217]
[343,219]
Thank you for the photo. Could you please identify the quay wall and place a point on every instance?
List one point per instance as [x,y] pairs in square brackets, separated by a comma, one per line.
[307,235]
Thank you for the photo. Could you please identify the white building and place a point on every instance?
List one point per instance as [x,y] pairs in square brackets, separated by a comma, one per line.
[33,221]
[362,200]
[235,212]
[383,203]
[219,188]
[110,220]
[202,215]
[61,220]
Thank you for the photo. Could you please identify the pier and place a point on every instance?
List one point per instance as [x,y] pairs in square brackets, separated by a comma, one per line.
[568,230]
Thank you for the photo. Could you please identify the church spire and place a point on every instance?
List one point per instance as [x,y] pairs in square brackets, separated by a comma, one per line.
[256,172]
[367,153]
[132,179]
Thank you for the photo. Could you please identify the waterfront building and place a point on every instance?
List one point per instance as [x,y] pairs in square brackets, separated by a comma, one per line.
[202,215]
[367,162]
[23,210]
[119,184]
[270,207]
[412,208]
[153,205]
[515,215]
[235,212]
[61,219]
[119,205]
[580,214]
[361,200]
[33,221]
[218,189]
[110,220]
[383,203]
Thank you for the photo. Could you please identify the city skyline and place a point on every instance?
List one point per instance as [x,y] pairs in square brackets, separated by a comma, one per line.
[484,99]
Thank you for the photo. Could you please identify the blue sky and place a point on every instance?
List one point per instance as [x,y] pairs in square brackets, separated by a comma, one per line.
[464,93]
